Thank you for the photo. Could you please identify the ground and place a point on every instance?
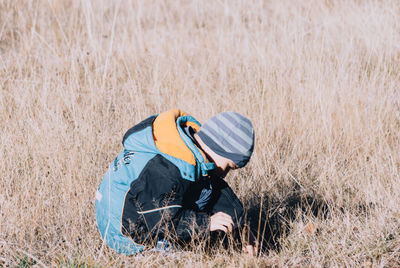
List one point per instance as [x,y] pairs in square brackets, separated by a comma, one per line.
[319,79]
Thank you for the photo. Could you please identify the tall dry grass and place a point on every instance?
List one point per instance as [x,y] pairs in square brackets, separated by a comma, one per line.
[319,79]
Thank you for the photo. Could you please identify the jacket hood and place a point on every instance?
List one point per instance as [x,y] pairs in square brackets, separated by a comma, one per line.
[167,136]
[171,139]
[164,134]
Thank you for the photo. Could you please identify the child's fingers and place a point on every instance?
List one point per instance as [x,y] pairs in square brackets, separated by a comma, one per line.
[220,227]
[227,221]
[221,221]
[250,250]
[224,216]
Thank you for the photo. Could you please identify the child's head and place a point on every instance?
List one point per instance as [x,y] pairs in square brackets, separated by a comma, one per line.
[229,135]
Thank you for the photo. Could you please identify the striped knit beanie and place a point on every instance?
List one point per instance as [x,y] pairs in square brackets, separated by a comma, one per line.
[230,135]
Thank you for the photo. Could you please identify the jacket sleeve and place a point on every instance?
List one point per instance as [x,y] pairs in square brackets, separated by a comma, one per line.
[154,206]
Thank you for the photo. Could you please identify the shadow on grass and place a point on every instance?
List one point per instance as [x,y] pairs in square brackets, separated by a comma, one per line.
[270,219]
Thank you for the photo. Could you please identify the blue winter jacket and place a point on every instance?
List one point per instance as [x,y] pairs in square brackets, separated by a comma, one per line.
[145,194]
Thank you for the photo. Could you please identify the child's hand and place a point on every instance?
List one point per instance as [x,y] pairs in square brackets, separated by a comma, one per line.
[251,247]
[250,250]
[221,221]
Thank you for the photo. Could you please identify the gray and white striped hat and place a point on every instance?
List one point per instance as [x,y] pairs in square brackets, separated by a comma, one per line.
[229,135]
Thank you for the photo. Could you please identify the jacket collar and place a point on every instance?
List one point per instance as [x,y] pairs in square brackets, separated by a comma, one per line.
[170,138]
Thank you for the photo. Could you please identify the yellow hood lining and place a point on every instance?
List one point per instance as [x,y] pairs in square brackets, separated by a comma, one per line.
[167,138]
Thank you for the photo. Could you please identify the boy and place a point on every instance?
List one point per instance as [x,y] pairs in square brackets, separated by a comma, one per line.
[167,182]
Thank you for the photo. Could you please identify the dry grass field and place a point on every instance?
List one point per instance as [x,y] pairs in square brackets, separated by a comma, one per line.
[319,79]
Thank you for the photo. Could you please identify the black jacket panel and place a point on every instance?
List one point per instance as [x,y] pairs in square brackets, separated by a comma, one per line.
[154,205]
